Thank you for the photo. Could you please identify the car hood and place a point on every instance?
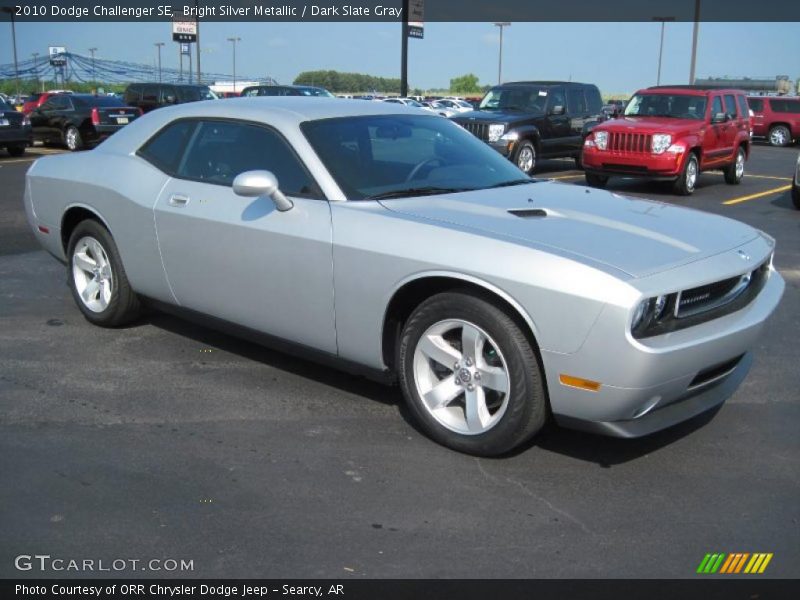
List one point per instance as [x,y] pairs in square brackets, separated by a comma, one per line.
[637,237]
[650,125]
[495,116]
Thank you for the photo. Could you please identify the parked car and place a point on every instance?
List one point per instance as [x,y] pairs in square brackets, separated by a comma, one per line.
[672,133]
[149,96]
[15,129]
[442,109]
[531,119]
[457,104]
[80,120]
[495,299]
[776,118]
[796,184]
[409,102]
[286,90]
[614,108]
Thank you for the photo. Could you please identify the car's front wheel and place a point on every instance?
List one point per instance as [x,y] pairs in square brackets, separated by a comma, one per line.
[686,182]
[16,149]
[734,172]
[97,279]
[470,375]
[525,157]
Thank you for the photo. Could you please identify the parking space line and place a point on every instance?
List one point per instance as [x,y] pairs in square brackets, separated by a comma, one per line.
[776,190]
[567,176]
[18,160]
[770,177]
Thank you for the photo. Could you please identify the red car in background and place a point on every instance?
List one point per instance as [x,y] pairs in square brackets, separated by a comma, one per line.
[672,133]
[36,99]
[776,118]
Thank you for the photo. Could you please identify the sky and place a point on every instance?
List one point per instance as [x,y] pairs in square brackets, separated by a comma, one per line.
[618,57]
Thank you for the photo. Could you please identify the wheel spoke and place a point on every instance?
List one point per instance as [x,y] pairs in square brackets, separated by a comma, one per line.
[90,291]
[494,378]
[84,262]
[477,413]
[443,393]
[438,349]
[472,341]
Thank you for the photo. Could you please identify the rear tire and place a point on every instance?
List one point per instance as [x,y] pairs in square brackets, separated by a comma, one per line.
[779,135]
[73,139]
[97,279]
[734,172]
[596,181]
[469,349]
[16,150]
[686,182]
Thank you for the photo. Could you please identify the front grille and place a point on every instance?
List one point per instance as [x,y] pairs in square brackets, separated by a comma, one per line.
[479,130]
[633,143]
[715,373]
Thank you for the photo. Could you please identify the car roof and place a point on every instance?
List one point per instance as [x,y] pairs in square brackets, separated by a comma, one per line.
[545,83]
[696,90]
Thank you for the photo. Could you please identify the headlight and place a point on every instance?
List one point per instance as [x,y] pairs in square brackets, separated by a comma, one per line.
[661,141]
[495,131]
[511,136]
[650,313]
[601,139]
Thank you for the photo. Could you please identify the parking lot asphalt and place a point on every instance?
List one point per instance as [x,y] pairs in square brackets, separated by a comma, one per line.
[168,440]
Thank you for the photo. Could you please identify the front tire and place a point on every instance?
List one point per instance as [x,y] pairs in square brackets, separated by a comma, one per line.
[596,181]
[796,196]
[470,376]
[73,139]
[97,279]
[779,135]
[686,182]
[16,150]
[525,157]
[734,172]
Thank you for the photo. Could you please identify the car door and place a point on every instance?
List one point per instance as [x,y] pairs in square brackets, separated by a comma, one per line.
[40,122]
[578,114]
[240,259]
[757,106]
[734,125]
[715,147]
[557,140]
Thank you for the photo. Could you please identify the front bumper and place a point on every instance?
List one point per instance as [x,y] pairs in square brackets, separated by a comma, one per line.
[650,384]
[666,166]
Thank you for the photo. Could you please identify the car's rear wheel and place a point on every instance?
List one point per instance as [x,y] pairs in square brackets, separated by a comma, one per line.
[73,139]
[16,149]
[525,157]
[796,196]
[470,375]
[595,180]
[734,172]
[779,135]
[686,182]
[97,279]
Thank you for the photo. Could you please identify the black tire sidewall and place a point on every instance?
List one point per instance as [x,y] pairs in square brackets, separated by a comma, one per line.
[16,149]
[796,196]
[681,186]
[526,411]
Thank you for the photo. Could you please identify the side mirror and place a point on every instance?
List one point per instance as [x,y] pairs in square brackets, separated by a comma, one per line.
[254,184]
[169,99]
[558,109]
[719,118]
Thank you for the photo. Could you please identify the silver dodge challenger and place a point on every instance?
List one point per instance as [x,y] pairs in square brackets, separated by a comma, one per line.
[398,245]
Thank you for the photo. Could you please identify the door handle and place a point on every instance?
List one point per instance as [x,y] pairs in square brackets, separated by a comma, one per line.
[178,200]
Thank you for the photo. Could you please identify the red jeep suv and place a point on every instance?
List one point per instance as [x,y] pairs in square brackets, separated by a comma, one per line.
[777,119]
[672,133]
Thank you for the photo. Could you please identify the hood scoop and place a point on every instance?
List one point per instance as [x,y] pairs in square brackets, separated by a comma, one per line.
[528,213]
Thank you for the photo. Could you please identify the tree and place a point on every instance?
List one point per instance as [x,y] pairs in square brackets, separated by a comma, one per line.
[337,82]
[466,84]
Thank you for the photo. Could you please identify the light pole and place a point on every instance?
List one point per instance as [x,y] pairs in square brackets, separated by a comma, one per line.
[234,40]
[501,25]
[94,76]
[35,56]
[10,11]
[661,20]
[695,31]
[158,45]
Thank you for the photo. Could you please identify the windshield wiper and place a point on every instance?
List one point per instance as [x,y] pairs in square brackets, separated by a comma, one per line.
[510,183]
[418,191]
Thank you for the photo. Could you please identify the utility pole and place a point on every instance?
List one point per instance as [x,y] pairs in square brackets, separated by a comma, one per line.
[661,20]
[197,42]
[94,74]
[404,53]
[36,68]
[10,11]
[695,31]
[234,40]
[501,25]
[158,45]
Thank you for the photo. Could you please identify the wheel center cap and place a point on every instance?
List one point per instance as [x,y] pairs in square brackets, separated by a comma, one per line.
[465,375]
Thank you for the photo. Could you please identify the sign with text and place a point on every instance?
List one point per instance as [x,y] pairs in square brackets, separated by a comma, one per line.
[416,18]
[184,30]
[58,56]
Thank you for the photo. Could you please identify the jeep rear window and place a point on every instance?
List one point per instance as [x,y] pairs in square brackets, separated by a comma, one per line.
[528,99]
[676,106]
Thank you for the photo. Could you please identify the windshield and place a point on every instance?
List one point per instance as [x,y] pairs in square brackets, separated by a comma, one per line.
[676,106]
[515,98]
[406,155]
[312,91]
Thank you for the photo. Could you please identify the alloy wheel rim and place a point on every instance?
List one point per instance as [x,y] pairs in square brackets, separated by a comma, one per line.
[691,175]
[461,377]
[72,139]
[739,165]
[526,159]
[778,137]
[92,274]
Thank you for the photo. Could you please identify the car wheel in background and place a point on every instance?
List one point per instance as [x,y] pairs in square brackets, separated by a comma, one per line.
[578,160]
[96,277]
[525,157]
[470,375]
[734,172]
[780,135]
[686,182]
[16,150]
[598,181]
[72,138]
[796,196]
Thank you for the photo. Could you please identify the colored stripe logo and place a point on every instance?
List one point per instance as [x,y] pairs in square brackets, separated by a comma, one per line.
[738,562]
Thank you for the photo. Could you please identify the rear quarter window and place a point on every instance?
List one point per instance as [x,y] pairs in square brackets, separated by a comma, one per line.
[757,104]
[165,149]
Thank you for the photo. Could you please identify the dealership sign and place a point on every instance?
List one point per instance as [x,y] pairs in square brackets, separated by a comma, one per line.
[184,30]
[416,14]
[58,56]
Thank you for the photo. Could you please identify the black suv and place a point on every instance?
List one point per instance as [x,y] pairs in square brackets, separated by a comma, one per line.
[529,119]
[149,96]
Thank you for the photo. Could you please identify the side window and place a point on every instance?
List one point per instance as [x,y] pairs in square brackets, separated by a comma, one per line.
[251,92]
[150,94]
[744,110]
[716,106]
[133,94]
[576,102]
[49,104]
[730,105]
[221,150]
[557,99]
[757,104]
[166,148]
[594,101]
[778,106]
[792,106]
[169,94]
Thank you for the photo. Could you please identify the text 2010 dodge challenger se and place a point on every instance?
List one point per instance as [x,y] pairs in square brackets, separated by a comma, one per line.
[397,243]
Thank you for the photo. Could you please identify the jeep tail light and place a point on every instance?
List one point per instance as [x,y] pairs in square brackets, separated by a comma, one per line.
[661,141]
[95,116]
